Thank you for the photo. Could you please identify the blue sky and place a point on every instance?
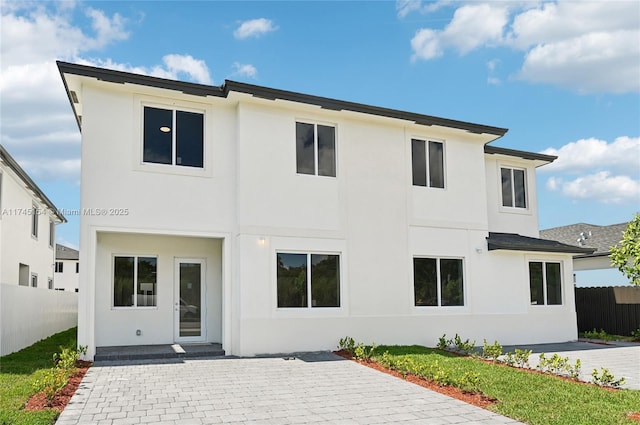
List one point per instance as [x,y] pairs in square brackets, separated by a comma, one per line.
[564,77]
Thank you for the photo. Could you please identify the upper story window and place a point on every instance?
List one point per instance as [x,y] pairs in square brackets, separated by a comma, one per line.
[308,280]
[315,149]
[59,267]
[52,233]
[427,160]
[173,137]
[34,221]
[438,282]
[514,187]
[545,283]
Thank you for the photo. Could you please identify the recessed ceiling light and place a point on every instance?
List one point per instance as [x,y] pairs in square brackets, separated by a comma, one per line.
[165,129]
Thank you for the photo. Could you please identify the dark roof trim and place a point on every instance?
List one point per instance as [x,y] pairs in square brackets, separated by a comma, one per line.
[338,105]
[494,150]
[8,159]
[266,93]
[515,242]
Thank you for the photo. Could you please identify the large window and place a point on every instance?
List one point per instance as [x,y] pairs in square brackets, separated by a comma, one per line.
[134,281]
[438,282]
[427,159]
[308,280]
[514,192]
[545,283]
[173,137]
[315,149]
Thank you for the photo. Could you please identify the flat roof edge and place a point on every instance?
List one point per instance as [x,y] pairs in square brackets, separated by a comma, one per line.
[495,150]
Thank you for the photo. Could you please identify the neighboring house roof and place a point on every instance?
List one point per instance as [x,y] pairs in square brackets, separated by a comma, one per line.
[515,242]
[598,238]
[258,91]
[66,253]
[31,185]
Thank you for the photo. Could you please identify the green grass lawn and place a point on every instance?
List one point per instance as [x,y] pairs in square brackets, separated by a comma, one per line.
[17,373]
[530,397]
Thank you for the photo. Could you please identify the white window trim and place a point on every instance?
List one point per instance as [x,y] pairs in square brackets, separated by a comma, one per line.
[315,124]
[438,309]
[514,210]
[544,284]
[135,282]
[444,161]
[52,233]
[172,104]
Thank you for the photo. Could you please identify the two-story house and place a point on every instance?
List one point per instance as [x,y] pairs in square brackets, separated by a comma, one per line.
[27,228]
[67,269]
[272,221]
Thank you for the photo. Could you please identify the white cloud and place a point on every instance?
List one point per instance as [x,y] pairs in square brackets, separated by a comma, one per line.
[405,7]
[602,187]
[621,156]
[254,28]
[585,46]
[38,128]
[472,26]
[244,70]
[597,170]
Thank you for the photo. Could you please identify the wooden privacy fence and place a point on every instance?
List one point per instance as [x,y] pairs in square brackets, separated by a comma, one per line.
[616,310]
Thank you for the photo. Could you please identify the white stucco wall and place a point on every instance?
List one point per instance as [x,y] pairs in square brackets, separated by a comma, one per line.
[17,243]
[118,325]
[67,280]
[250,195]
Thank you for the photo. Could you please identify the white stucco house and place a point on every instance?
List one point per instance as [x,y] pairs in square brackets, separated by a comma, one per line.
[272,221]
[27,228]
[67,269]
[29,308]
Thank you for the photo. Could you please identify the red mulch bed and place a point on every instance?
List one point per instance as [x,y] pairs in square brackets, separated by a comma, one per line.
[476,399]
[62,397]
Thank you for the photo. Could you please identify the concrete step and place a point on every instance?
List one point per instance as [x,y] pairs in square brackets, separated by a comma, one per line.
[165,351]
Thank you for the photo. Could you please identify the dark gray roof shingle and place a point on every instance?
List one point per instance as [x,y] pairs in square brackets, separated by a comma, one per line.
[515,242]
[599,238]
[66,253]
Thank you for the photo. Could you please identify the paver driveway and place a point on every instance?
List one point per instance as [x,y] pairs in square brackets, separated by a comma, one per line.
[314,388]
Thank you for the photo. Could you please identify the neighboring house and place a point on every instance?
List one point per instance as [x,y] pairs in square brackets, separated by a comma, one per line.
[29,308]
[67,269]
[27,228]
[272,221]
[599,238]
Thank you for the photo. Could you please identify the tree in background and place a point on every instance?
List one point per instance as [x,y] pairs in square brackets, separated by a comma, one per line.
[626,255]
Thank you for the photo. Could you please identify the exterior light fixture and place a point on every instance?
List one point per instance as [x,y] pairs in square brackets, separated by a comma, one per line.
[165,129]
[262,241]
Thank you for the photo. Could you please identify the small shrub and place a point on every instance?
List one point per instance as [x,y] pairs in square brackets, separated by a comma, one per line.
[66,359]
[464,347]
[601,334]
[522,357]
[362,352]
[443,343]
[574,371]
[51,381]
[604,378]
[491,352]
[636,334]
[347,344]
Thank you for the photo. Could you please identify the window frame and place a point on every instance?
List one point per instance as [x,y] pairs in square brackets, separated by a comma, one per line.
[50,283]
[439,306]
[545,283]
[513,207]
[52,233]
[135,305]
[138,163]
[33,279]
[316,155]
[427,161]
[34,221]
[59,267]
[309,289]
